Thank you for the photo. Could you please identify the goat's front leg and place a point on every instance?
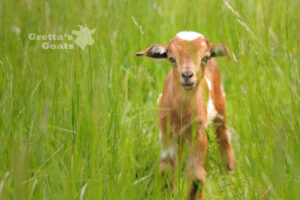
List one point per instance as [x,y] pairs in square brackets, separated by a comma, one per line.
[195,170]
[168,151]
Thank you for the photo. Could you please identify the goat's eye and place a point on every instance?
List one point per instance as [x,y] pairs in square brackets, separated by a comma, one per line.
[172,60]
[204,59]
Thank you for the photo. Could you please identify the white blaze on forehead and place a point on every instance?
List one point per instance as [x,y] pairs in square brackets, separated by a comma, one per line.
[189,35]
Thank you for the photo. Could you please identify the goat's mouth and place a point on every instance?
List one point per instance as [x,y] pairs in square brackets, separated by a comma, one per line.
[188,85]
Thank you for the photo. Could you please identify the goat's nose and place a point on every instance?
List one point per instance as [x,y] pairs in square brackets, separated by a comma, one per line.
[187,75]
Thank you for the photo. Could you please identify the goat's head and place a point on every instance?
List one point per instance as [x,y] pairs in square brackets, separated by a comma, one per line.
[188,52]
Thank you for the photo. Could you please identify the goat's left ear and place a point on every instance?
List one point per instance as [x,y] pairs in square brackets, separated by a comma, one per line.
[221,50]
[156,51]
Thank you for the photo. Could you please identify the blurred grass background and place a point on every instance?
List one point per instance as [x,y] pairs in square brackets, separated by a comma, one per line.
[82,124]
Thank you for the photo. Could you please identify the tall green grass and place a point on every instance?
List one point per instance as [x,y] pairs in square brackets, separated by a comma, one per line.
[82,124]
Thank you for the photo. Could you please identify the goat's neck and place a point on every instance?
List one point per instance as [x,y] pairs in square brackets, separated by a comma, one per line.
[183,97]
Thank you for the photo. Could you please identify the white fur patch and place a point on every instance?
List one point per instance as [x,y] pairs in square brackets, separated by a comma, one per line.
[160,135]
[189,35]
[158,49]
[211,110]
[228,136]
[208,84]
[170,152]
[164,155]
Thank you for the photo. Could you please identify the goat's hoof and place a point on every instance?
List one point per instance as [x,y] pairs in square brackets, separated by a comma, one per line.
[230,166]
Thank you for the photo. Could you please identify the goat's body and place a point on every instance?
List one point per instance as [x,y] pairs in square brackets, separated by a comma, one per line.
[204,104]
[184,112]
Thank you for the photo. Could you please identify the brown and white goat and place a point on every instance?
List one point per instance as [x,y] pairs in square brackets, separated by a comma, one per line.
[192,98]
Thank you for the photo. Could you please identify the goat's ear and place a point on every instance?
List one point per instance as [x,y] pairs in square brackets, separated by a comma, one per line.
[157,51]
[221,50]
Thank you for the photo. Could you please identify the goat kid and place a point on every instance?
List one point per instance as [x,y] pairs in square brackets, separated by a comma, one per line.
[192,98]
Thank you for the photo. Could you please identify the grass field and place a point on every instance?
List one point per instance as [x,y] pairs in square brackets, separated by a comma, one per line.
[82,124]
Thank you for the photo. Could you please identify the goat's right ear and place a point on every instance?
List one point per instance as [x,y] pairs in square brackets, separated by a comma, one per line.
[221,50]
[156,51]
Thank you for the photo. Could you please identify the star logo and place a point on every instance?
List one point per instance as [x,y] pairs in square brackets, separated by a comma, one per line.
[83,36]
